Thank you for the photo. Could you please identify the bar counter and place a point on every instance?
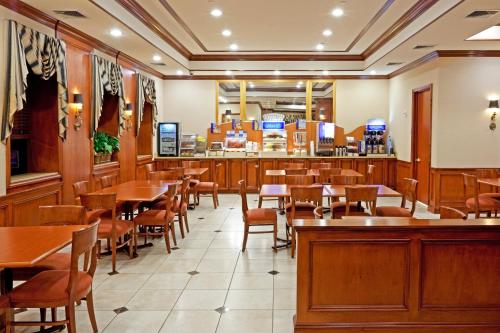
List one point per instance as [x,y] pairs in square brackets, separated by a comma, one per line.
[398,275]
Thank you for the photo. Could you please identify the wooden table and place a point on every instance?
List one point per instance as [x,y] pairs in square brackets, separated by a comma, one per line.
[337,191]
[315,172]
[195,172]
[139,190]
[490,181]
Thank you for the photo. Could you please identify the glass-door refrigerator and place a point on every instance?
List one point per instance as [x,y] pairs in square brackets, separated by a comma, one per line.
[168,139]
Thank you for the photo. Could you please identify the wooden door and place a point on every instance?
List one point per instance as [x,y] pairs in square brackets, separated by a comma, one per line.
[421,140]
[252,174]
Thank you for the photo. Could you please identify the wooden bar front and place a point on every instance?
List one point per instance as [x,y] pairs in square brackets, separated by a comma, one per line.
[398,275]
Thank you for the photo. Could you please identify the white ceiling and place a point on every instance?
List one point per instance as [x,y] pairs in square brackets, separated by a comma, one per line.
[279,27]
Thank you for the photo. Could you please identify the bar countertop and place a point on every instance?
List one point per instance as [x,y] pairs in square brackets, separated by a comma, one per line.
[381,156]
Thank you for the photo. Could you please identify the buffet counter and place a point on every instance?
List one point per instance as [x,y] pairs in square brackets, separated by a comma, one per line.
[253,169]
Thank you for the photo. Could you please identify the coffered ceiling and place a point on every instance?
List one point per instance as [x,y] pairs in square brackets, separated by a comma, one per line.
[371,38]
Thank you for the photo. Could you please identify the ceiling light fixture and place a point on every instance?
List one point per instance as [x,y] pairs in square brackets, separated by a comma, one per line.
[373,72]
[251,85]
[327,32]
[116,32]
[276,72]
[233,47]
[320,47]
[179,72]
[298,86]
[226,32]
[300,83]
[156,58]
[325,72]
[228,72]
[337,12]
[216,12]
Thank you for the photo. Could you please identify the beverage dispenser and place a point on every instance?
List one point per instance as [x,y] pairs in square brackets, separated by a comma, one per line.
[374,136]
[325,134]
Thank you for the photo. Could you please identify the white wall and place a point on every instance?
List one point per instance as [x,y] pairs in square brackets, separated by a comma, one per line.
[460,134]
[360,100]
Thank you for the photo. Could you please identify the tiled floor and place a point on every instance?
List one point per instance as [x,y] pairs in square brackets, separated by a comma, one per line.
[206,285]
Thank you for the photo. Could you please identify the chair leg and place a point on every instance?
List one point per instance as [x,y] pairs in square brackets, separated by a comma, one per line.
[43,317]
[260,202]
[181,223]
[214,199]
[70,316]
[172,229]
[131,244]
[113,254]
[293,242]
[90,309]
[186,221]
[275,237]
[167,239]
[245,237]
[53,312]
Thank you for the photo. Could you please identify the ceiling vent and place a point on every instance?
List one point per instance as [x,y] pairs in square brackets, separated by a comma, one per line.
[394,63]
[482,13]
[158,63]
[421,47]
[70,13]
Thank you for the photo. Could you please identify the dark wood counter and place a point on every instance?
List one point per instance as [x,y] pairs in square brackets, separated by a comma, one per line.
[398,275]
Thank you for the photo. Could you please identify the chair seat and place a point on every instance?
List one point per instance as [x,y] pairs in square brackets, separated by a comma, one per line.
[495,196]
[4,302]
[49,287]
[122,227]
[261,216]
[153,217]
[56,261]
[338,206]
[307,206]
[393,211]
[194,182]
[94,215]
[485,203]
[206,186]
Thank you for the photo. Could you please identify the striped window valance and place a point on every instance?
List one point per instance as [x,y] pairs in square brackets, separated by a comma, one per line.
[146,92]
[45,56]
[106,77]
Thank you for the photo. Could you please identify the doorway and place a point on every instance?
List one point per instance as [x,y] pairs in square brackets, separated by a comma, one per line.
[421,140]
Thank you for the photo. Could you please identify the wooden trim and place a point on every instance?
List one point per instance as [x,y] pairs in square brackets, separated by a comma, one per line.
[413,13]
[284,77]
[419,62]
[308,100]
[42,18]
[468,53]
[276,57]
[243,100]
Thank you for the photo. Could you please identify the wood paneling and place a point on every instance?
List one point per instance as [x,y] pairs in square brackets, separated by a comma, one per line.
[140,169]
[105,169]
[145,135]
[236,172]
[128,155]
[403,170]
[252,174]
[397,276]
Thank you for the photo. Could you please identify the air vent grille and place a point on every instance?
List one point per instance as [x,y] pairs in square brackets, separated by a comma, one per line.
[394,63]
[482,13]
[420,47]
[70,13]
[158,63]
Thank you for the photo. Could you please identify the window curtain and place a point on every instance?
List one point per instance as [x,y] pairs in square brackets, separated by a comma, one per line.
[106,77]
[45,56]
[146,92]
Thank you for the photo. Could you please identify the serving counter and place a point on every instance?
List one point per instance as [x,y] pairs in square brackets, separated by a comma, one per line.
[398,275]
[253,169]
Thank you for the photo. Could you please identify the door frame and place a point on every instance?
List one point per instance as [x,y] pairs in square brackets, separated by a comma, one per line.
[414,131]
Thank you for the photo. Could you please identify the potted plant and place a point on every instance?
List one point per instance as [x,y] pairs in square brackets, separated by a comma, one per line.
[104,146]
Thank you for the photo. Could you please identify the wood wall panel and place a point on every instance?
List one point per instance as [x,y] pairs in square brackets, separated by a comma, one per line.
[252,174]
[140,169]
[236,172]
[4,213]
[128,145]
[403,170]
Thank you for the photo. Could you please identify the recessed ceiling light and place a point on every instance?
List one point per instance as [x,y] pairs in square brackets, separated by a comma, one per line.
[226,32]
[300,83]
[228,72]
[276,72]
[116,32]
[251,85]
[179,72]
[337,12]
[233,47]
[298,86]
[156,57]
[325,72]
[373,72]
[327,32]
[320,47]
[216,12]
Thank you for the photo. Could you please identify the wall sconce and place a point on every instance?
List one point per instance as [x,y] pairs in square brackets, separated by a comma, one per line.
[78,104]
[128,116]
[493,106]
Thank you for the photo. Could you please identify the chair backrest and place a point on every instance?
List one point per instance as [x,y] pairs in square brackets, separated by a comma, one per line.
[218,167]
[185,189]
[107,181]
[368,194]
[326,174]
[100,201]
[293,165]
[318,212]
[170,197]
[83,242]
[178,171]
[321,165]
[295,171]
[62,215]
[369,174]
[150,167]
[451,213]
[470,186]
[243,194]
[163,175]
[343,180]
[310,194]
[299,180]
[409,193]
[80,187]
[191,164]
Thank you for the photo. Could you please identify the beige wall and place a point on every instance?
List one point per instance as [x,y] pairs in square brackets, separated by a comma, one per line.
[460,133]
[360,100]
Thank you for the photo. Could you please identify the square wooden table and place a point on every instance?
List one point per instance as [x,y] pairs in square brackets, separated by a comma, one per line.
[337,191]
[490,181]
[195,172]
[139,190]
[315,172]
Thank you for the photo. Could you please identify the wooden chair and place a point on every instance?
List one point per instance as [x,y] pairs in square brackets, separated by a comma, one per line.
[321,165]
[299,180]
[150,167]
[178,172]
[108,181]
[409,193]
[293,166]
[163,218]
[303,201]
[451,213]
[353,195]
[62,288]
[163,175]
[296,172]
[257,217]
[369,174]
[5,314]
[194,183]
[318,212]
[211,188]
[82,187]
[326,174]
[111,228]
[343,180]
[478,203]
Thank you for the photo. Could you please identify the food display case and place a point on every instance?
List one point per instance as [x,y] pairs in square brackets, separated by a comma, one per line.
[274,138]
[216,149]
[188,144]
[235,144]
